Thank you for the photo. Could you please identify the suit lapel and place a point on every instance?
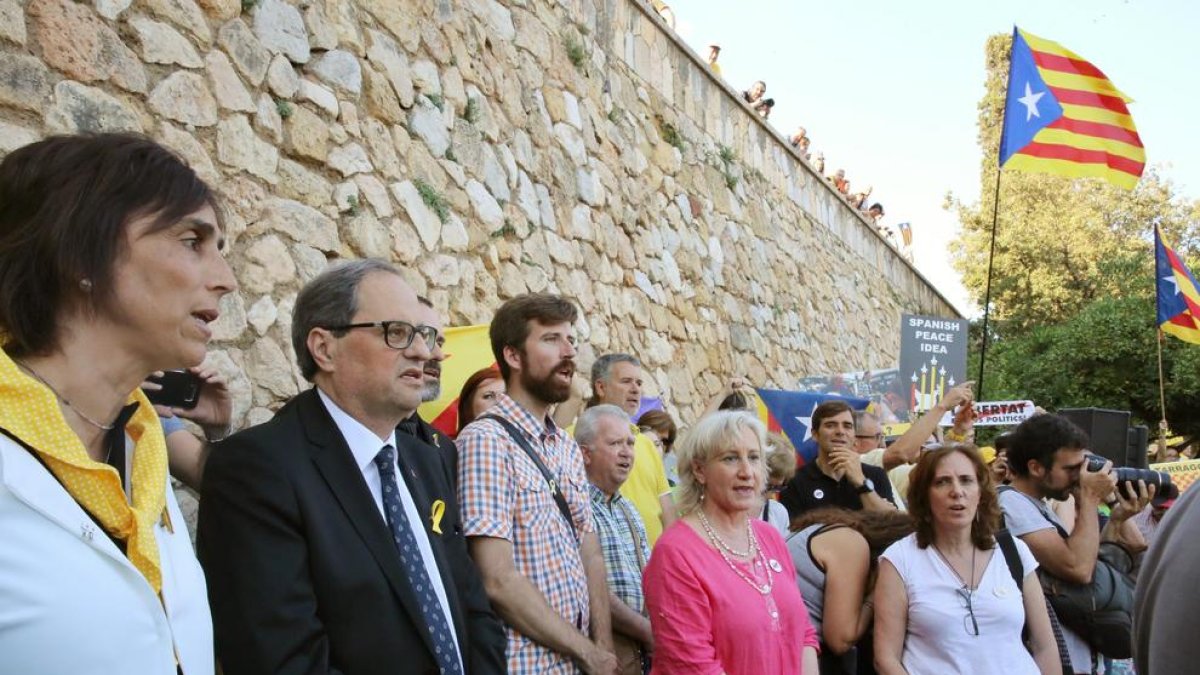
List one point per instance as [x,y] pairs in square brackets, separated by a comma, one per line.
[333,460]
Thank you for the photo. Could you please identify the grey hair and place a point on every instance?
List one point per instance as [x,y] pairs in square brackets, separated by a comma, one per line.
[712,434]
[331,299]
[588,424]
[603,366]
[861,416]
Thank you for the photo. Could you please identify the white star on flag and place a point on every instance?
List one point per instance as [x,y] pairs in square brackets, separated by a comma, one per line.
[807,422]
[1170,279]
[1030,101]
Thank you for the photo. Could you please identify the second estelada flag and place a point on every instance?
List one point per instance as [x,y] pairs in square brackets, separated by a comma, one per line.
[1178,296]
[1063,116]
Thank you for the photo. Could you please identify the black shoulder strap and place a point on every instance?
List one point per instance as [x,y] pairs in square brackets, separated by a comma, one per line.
[1009,548]
[519,438]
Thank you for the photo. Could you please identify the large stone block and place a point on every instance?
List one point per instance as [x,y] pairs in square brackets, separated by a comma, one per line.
[249,55]
[280,29]
[24,82]
[184,97]
[163,44]
[77,42]
[78,108]
[239,147]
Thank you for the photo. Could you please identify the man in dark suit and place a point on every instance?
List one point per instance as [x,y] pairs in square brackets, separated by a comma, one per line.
[414,425]
[331,543]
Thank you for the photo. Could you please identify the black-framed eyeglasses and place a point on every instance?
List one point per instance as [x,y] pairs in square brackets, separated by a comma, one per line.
[396,334]
[972,627]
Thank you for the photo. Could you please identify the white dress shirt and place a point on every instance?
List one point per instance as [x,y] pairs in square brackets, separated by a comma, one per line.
[365,445]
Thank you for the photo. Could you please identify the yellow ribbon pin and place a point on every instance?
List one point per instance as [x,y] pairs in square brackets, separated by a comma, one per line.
[435,516]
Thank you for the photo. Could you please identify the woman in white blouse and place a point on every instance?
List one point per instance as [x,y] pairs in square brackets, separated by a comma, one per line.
[945,601]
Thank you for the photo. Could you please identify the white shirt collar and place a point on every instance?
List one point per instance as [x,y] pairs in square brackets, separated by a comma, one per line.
[363,442]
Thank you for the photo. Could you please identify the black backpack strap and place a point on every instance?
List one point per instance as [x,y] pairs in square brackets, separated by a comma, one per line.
[1008,546]
[519,438]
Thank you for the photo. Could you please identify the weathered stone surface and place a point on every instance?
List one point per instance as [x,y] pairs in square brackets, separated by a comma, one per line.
[381,98]
[269,369]
[24,82]
[238,146]
[282,77]
[429,123]
[248,54]
[454,235]
[322,33]
[485,206]
[261,315]
[349,159]
[232,321]
[309,135]
[190,149]
[426,222]
[184,97]
[297,182]
[398,19]
[77,42]
[13,137]
[222,10]
[386,55]
[163,44]
[267,119]
[79,108]
[425,77]
[304,224]
[267,264]
[280,29]
[183,13]
[230,92]
[324,98]
[496,17]
[368,237]
[111,9]
[376,195]
[340,70]
[309,263]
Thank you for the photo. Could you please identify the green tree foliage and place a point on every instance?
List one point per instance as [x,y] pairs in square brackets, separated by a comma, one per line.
[1102,357]
[1060,243]
[1073,318]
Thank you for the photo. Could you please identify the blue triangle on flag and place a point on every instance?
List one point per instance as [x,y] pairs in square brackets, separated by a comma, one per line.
[793,411]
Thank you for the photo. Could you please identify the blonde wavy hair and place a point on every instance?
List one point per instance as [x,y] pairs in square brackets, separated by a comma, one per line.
[711,435]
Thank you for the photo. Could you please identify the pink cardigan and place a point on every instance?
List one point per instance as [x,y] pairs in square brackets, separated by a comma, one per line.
[707,620]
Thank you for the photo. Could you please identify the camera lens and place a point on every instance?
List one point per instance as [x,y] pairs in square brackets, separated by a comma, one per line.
[1164,488]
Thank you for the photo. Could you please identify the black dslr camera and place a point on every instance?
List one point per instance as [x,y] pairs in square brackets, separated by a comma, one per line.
[1164,488]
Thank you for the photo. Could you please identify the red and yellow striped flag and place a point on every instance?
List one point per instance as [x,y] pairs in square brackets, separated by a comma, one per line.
[1063,116]
[468,349]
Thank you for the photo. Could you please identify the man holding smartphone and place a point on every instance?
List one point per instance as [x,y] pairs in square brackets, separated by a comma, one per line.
[210,407]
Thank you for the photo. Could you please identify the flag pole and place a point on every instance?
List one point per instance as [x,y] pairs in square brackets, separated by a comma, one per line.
[987,294]
[1162,402]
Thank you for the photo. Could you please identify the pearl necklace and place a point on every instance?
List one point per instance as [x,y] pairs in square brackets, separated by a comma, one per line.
[721,544]
[757,561]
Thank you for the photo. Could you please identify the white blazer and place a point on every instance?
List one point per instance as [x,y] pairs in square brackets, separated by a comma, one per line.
[71,602]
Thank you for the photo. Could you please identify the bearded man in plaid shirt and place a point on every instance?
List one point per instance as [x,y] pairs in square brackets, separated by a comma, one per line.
[526,512]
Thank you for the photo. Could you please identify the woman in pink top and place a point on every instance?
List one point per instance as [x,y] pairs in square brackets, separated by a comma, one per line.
[720,586]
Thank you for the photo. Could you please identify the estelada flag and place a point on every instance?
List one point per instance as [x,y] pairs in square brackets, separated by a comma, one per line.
[790,412]
[1063,116]
[1178,298]
[468,349]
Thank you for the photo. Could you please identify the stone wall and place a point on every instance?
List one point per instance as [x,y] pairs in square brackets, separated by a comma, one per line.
[490,149]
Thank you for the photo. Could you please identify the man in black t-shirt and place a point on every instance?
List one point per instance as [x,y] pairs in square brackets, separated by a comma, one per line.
[837,477]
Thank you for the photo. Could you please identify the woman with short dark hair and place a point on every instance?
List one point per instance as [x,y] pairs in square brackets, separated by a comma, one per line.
[110,269]
[946,601]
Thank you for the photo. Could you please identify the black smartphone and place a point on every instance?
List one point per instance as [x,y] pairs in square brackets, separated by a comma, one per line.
[180,389]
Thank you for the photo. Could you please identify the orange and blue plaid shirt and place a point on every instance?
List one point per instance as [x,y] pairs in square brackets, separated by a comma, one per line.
[502,494]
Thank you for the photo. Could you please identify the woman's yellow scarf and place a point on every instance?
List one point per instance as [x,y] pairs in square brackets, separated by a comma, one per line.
[29,411]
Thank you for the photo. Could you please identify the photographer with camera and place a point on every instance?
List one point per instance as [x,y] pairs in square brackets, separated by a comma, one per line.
[1087,583]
